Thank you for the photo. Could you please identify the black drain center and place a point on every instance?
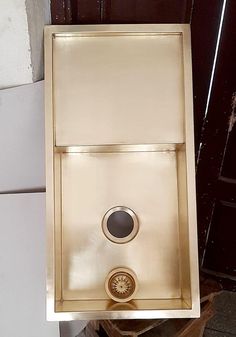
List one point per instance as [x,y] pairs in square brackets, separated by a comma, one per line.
[120,224]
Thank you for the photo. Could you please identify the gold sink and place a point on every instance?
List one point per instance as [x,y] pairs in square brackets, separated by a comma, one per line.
[121,214]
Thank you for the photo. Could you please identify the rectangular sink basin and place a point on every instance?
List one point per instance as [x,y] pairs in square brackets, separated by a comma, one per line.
[121,214]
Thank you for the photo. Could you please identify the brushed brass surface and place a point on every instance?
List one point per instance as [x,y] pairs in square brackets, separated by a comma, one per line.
[93,183]
[123,64]
[119,133]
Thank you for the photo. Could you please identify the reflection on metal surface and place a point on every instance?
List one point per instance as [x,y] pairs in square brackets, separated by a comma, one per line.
[126,67]
[121,284]
[122,306]
[161,147]
[120,173]
[120,224]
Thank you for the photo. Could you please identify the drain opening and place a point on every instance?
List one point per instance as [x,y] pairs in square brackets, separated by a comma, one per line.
[120,224]
[121,284]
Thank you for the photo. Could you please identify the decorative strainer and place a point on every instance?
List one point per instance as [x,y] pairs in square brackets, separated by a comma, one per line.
[121,284]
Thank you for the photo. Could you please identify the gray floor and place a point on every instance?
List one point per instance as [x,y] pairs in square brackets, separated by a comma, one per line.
[223,324]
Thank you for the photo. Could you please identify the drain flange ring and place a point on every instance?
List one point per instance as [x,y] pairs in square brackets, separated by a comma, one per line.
[120,224]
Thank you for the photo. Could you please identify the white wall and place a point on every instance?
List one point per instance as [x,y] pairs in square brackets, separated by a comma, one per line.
[22,216]
[15,59]
[21,35]
[22,155]
[23,267]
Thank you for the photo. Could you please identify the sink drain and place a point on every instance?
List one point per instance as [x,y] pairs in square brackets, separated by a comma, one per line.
[121,284]
[120,224]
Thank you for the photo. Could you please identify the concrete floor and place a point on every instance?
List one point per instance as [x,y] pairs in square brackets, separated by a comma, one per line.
[223,324]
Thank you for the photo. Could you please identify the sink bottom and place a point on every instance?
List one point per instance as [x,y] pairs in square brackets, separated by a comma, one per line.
[88,185]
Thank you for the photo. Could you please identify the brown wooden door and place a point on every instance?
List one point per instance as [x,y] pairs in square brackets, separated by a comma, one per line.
[214,53]
[120,11]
